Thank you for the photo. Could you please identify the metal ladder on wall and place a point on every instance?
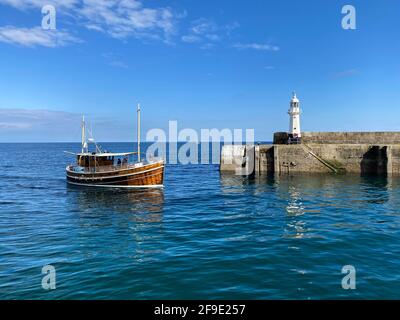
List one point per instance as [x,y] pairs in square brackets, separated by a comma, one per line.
[308,150]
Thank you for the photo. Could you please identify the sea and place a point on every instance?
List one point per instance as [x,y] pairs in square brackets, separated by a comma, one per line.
[205,235]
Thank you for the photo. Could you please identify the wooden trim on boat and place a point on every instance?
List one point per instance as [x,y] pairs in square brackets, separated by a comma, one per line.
[117,186]
[116,175]
[146,175]
[127,170]
[117,179]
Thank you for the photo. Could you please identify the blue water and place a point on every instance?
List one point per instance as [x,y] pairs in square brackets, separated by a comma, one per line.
[204,236]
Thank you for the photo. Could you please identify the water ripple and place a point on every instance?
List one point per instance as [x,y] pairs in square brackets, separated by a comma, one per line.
[205,235]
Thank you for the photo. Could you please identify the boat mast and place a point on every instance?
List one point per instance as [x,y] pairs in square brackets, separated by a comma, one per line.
[83,134]
[138,131]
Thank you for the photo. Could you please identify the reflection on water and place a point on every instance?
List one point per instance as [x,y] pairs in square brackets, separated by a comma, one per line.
[307,195]
[133,216]
[371,184]
[295,206]
[232,183]
[296,227]
[146,203]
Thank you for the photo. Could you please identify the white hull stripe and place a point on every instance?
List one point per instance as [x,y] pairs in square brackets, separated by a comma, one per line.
[110,177]
[118,181]
[116,186]
[122,169]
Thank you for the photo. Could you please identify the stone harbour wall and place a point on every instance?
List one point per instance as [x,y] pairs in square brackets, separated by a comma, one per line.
[342,137]
[379,153]
[364,159]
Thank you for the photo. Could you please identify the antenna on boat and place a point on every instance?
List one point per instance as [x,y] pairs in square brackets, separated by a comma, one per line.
[138,131]
[83,134]
[92,140]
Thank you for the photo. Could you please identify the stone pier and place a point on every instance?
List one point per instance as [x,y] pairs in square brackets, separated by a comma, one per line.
[318,152]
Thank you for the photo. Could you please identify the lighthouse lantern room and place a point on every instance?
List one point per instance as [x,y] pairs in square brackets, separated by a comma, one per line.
[294,115]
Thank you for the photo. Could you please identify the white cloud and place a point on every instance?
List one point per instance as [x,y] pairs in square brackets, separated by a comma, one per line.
[38,125]
[191,38]
[118,18]
[14,126]
[207,32]
[25,125]
[346,73]
[256,46]
[230,27]
[213,37]
[207,46]
[27,4]
[36,37]
[122,19]
[203,26]
[115,60]
[24,119]
[94,27]
[118,64]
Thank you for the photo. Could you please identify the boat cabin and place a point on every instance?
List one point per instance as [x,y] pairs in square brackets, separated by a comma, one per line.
[93,160]
[104,160]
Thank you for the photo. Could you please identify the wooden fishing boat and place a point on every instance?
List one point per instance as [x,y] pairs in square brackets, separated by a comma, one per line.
[113,170]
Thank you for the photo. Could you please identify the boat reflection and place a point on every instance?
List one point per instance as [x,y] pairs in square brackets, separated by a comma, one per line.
[144,205]
[129,222]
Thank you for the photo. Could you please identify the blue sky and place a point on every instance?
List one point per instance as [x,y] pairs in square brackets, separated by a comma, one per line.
[207,64]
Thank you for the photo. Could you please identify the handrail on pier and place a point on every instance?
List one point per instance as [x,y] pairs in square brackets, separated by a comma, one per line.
[308,149]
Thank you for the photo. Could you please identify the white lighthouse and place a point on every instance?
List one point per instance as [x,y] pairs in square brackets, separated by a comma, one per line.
[294,115]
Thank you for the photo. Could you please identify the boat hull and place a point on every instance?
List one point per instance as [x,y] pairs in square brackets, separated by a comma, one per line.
[146,176]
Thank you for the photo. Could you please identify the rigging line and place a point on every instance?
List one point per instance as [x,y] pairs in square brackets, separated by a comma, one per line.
[98,147]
